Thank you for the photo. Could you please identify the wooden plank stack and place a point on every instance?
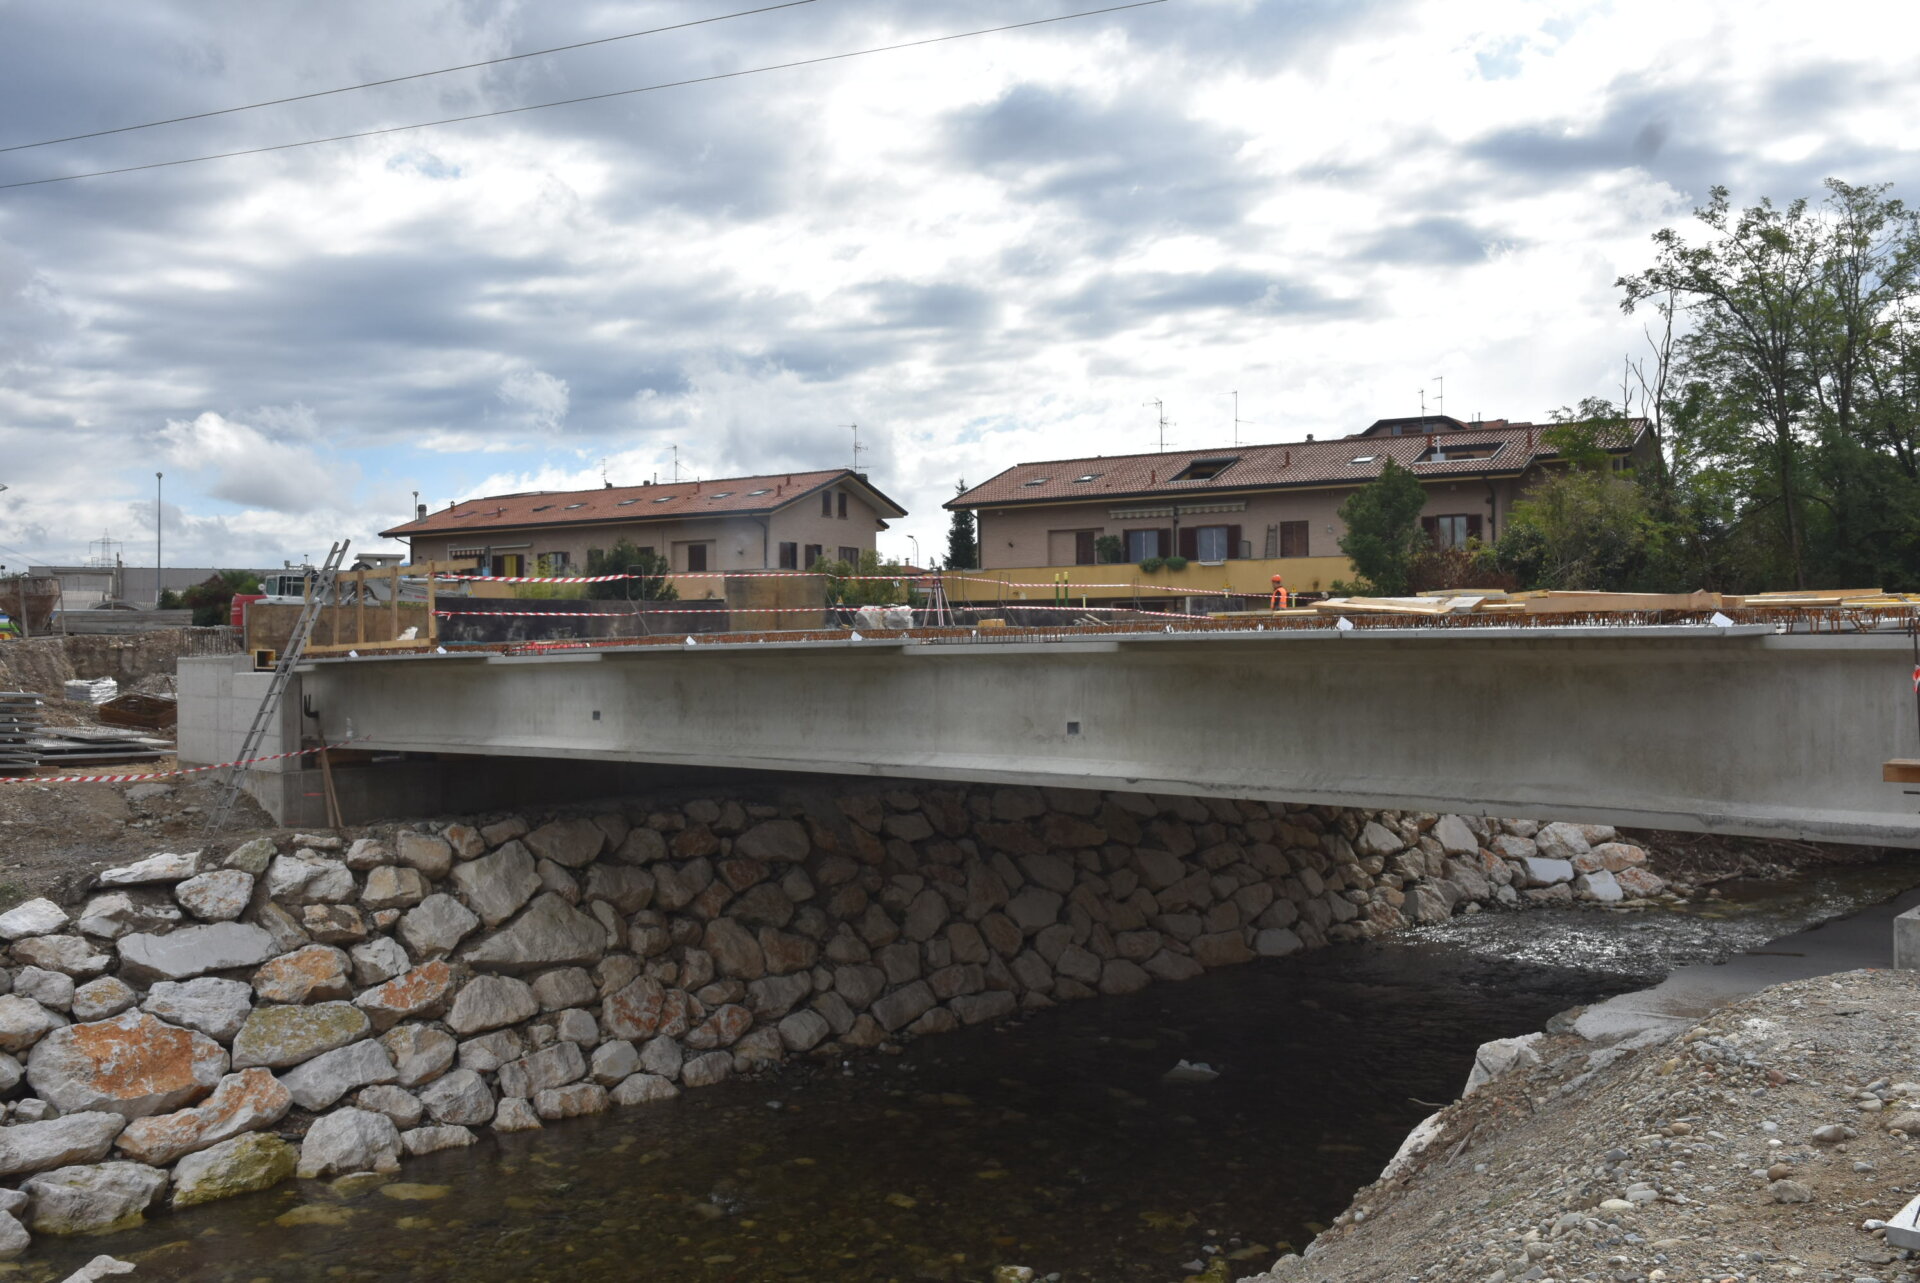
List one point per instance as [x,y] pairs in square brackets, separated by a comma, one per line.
[19,728]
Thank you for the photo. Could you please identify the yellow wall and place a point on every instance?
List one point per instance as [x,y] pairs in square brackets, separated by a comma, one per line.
[1251,576]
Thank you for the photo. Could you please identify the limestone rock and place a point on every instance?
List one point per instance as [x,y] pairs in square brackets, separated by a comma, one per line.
[14,1238]
[378,960]
[1033,908]
[497,885]
[804,1030]
[1221,949]
[431,1140]
[194,951]
[613,1062]
[419,994]
[110,916]
[393,887]
[132,1065]
[420,1053]
[436,925]
[51,989]
[219,896]
[57,1142]
[563,987]
[281,1037]
[572,1101]
[1277,942]
[1542,871]
[92,1198]
[165,867]
[215,1007]
[553,1066]
[305,878]
[516,1115]
[1637,882]
[980,1008]
[626,888]
[248,1101]
[643,1089]
[34,918]
[252,856]
[24,1022]
[459,1099]
[315,1084]
[734,950]
[904,1005]
[570,843]
[1599,885]
[368,853]
[663,1058]
[705,1071]
[722,1029]
[1377,839]
[549,933]
[349,1140]
[490,1002]
[397,1103]
[98,999]
[334,923]
[1562,841]
[1454,837]
[317,973]
[642,846]
[238,1166]
[485,1054]
[69,955]
[776,841]
[430,855]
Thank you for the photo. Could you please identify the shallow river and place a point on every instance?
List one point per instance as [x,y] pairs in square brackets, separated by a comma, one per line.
[1054,1143]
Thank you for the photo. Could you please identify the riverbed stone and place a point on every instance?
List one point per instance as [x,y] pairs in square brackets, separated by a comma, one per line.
[215,1007]
[575,1100]
[242,1165]
[431,1140]
[1598,885]
[424,852]
[218,896]
[419,994]
[420,1053]
[549,933]
[613,1061]
[37,917]
[316,1084]
[131,1064]
[498,885]
[106,996]
[281,1037]
[516,1115]
[1276,942]
[435,925]
[194,951]
[248,1101]
[14,1238]
[1639,883]
[904,1005]
[1544,871]
[706,1070]
[397,1103]
[643,1089]
[553,1066]
[349,1140]
[57,1142]
[491,1002]
[1562,841]
[92,1198]
[662,1057]
[458,1099]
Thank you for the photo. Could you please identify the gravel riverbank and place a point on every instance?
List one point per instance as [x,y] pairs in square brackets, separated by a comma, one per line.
[1753,1145]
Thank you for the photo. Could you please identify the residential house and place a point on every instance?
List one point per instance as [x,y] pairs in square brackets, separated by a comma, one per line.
[784,521]
[1241,515]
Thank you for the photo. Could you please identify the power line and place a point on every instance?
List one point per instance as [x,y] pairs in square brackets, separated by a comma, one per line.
[395,80]
[568,102]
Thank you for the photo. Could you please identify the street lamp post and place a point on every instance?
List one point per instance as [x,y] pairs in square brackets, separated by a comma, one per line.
[159,517]
[916,550]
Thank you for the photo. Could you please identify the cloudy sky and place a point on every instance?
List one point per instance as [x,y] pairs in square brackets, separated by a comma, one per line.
[981,251]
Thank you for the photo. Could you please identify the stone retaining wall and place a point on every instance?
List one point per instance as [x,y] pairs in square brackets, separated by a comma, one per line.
[316,1006]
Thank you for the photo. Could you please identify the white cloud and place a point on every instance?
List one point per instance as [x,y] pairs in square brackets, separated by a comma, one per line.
[247,466]
[536,397]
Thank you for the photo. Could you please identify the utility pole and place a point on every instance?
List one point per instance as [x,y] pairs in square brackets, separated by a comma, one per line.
[159,519]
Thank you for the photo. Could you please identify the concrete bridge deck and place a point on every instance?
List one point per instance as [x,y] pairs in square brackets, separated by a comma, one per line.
[1736,729]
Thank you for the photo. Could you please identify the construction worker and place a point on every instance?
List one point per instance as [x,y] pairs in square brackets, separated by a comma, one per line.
[1279,599]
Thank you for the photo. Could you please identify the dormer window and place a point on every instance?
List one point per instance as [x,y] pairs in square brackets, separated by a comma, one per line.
[1453,451]
[1206,469]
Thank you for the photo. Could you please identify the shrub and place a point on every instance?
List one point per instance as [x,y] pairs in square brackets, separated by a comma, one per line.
[1176,562]
[1152,565]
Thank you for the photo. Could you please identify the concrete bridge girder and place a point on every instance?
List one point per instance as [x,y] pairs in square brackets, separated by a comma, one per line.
[1733,730]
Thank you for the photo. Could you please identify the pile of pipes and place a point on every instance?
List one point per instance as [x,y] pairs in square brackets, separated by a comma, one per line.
[19,728]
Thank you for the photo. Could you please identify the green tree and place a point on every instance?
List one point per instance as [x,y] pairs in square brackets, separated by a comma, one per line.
[1580,530]
[211,600]
[1383,530]
[650,573]
[963,544]
[864,584]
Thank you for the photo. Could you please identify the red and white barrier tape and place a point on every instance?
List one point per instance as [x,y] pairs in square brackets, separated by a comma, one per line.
[163,775]
[814,574]
[781,610]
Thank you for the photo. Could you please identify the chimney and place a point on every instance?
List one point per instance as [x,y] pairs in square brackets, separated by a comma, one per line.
[1153,476]
[1288,461]
[1309,436]
[420,512]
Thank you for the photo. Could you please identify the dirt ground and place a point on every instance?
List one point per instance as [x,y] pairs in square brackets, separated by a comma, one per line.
[1757,1145]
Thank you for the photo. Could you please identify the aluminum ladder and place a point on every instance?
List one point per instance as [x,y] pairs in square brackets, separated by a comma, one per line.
[322,587]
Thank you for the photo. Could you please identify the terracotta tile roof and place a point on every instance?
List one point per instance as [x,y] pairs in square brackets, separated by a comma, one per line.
[680,500]
[1342,460]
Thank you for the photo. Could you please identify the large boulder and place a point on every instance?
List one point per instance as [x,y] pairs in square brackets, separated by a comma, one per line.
[248,1101]
[219,896]
[215,1007]
[349,1140]
[23,1022]
[316,973]
[420,1053]
[194,951]
[1454,837]
[492,1002]
[498,885]
[436,925]
[1562,841]
[305,878]
[420,993]
[71,1138]
[551,933]
[132,1065]
[281,1037]
[782,841]
[34,918]
[68,955]
[238,1166]
[92,1199]
[572,843]
[460,1099]
[318,1083]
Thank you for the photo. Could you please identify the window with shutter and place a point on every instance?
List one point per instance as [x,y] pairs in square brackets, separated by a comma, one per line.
[789,556]
[1210,543]
[1233,542]
[1190,543]
[1083,547]
[1293,539]
[813,554]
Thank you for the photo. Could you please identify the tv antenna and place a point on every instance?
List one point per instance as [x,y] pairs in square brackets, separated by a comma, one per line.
[858,449]
[1441,408]
[1423,403]
[1236,419]
[1161,407]
[676,463]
